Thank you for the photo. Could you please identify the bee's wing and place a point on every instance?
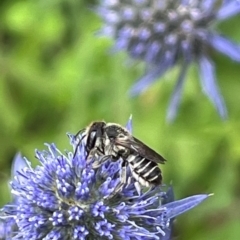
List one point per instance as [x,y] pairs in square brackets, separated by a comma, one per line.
[140,148]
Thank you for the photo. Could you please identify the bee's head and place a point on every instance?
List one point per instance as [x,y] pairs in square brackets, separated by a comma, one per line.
[97,125]
[115,131]
[96,128]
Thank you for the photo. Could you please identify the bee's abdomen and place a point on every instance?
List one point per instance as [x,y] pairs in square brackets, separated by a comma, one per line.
[146,172]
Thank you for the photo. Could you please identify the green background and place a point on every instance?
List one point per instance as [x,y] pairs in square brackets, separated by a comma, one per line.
[57,76]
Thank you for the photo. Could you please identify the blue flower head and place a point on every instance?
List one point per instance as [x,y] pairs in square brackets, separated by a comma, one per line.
[65,198]
[164,33]
[7,228]
[7,223]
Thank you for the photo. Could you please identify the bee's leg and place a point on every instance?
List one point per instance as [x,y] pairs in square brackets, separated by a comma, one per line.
[100,161]
[123,179]
[126,180]
[92,155]
[136,182]
[123,173]
[138,187]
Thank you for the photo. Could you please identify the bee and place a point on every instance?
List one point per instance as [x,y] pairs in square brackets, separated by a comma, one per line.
[114,140]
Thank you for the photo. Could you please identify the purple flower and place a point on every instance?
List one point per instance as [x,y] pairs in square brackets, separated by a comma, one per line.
[7,223]
[7,228]
[65,198]
[165,33]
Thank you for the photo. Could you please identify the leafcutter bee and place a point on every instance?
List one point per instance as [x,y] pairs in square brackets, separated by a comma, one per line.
[111,139]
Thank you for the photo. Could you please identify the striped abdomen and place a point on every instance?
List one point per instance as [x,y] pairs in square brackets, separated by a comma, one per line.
[145,171]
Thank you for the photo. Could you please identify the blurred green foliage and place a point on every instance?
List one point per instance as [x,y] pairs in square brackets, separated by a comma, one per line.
[57,76]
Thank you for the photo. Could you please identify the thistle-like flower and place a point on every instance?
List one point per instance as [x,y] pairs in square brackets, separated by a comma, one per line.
[164,33]
[65,198]
[7,228]
[7,224]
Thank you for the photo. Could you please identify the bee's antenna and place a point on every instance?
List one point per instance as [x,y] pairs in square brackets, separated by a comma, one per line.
[79,142]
